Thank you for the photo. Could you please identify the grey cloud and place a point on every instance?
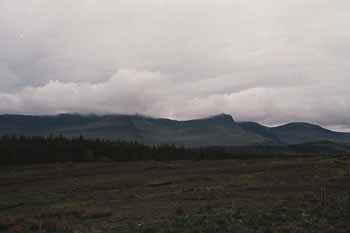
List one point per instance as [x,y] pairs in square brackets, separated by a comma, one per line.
[267,61]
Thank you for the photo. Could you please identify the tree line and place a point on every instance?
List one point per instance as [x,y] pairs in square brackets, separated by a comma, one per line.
[17,150]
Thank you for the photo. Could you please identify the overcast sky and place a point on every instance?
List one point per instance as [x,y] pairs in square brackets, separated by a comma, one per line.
[262,60]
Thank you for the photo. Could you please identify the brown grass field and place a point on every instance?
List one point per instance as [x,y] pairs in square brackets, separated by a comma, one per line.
[261,195]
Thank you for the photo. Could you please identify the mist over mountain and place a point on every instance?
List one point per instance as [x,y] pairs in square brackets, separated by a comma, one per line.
[218,130]
[264,61]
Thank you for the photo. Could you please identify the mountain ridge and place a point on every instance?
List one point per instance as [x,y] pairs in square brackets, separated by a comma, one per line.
[215,130]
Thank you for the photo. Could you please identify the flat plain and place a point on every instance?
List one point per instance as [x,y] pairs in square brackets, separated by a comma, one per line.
[251,195]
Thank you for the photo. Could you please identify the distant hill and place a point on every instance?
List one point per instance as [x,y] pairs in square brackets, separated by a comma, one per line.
[296,133]
[219,130]
[261,130]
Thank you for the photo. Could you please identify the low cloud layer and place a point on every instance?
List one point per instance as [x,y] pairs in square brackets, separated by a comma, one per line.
[266,61]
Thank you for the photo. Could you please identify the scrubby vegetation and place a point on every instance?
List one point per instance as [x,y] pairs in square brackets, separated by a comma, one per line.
[333,218]
[272,195]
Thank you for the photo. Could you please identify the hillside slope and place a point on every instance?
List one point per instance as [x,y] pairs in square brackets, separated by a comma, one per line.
[296,133]
[220,130]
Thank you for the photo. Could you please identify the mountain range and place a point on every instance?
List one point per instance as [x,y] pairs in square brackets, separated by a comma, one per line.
[218,130]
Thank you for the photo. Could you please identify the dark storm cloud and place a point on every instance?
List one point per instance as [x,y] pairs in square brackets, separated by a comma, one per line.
[269,61]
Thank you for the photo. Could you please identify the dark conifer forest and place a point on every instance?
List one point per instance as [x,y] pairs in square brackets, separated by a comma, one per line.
[29,150]
[17,150]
